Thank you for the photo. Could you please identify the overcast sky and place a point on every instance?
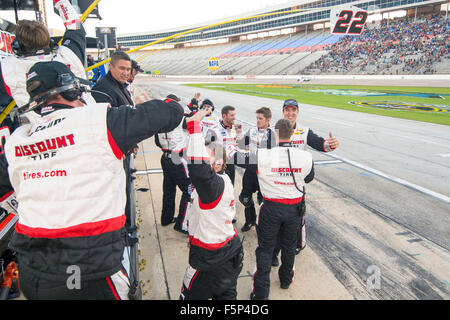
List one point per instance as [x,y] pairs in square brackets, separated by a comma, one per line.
[154,15]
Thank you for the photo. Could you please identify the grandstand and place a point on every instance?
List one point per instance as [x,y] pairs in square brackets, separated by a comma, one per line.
[402,46]
[401,37]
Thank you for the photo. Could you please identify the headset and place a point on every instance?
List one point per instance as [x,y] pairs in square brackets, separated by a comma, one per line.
[68,87]
[20,50]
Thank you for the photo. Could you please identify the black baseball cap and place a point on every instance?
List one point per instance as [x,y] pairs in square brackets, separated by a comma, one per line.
[290,103]
[44,76]
[173,97]
[136,66]
[208,102]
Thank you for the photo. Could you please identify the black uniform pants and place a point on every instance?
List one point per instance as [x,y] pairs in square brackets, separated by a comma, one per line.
[128,188]
[175,174]
[276,221]
[218,284]
[301,239]
[114,287]
[250,185]
[230,171]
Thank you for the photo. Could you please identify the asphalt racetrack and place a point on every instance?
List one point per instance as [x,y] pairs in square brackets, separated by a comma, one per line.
[378,209]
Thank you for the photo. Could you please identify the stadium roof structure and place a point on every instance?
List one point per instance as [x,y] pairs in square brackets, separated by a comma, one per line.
[318,12]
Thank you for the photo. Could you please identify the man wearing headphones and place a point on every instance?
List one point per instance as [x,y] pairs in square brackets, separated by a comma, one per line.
[33,44]
[66,167]
[282,174]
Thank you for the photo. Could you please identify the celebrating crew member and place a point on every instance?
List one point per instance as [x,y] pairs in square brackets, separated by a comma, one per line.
[210,120]
[33,44]
[261,136]
[174,166]
[227,135]
[215,254]
[301,137]
[66,167]
[282,173]
[194,104]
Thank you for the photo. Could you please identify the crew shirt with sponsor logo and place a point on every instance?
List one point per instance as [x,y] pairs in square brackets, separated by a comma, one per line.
[224,135]
[212,235]
[303,136]
[256,138]
[67,171]
[277,168]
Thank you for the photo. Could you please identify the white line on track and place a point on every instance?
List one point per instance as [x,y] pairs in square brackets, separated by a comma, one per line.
[408,184]
[390,133]
[321,162]
[415,139]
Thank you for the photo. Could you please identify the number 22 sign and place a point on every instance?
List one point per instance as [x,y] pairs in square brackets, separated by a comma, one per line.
[349,20]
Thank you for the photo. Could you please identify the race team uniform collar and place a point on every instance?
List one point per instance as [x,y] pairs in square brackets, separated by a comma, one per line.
[52,108]
[285,144]
[224,126]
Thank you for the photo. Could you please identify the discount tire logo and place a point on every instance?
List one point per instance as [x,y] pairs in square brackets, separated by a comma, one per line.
[402,106]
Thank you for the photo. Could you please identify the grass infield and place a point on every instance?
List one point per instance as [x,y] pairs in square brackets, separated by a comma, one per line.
[414,103]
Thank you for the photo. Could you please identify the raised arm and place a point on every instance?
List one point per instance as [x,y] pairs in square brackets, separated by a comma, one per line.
[206,181]
[129,126]
[75,36]
[321,144]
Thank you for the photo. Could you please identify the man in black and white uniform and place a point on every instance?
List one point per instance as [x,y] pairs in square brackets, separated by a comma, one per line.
[282,173]
[261,136]
[174,165]
[215,254]
[226,133]
[301,137]
[208,121]
[33,44]
[66,168]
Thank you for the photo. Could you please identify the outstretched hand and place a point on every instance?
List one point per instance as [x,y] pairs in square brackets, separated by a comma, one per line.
[200,114]
[333,142]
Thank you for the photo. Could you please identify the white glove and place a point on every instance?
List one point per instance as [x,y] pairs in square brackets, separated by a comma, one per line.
[70,17]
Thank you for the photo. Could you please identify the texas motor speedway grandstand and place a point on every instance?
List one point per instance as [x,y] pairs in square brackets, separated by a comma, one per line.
[378,225]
